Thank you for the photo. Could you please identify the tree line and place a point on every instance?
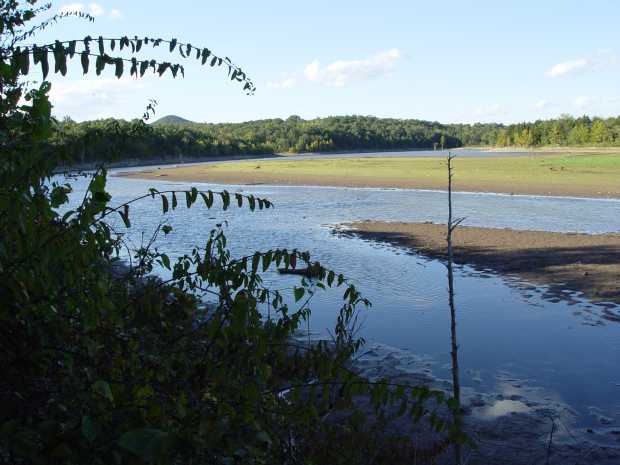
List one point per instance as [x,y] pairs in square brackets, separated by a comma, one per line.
[93,140]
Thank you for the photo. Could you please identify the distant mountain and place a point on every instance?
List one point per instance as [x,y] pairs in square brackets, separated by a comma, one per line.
[172,119]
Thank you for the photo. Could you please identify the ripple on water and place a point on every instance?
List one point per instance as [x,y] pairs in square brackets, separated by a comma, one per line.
[501,323]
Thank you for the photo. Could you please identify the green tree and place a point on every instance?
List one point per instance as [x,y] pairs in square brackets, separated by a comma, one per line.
[103,363]
[579,134]
[599,132]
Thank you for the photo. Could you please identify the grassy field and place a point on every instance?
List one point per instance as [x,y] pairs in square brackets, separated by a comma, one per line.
[587,175]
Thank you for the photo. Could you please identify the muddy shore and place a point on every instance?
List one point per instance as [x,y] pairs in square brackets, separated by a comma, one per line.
[563,261]
[291,172]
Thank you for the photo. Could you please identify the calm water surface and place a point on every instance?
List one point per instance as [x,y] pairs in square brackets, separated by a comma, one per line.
[561,349]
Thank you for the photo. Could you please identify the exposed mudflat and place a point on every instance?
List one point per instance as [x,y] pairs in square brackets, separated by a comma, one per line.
[413,173]
[586,263]
[510,425]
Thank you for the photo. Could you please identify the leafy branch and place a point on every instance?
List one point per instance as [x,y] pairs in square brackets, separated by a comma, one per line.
[62,51]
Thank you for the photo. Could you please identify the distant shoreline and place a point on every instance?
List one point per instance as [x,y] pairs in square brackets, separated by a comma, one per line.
[563,261]
[158,161]
[129,162]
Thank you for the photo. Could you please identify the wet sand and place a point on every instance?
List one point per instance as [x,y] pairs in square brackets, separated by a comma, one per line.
[563,261]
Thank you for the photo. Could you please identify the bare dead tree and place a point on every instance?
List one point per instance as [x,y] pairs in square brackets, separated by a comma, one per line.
[456,385]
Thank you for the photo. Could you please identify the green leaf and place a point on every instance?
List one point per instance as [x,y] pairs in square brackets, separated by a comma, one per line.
[84,60]
[101,46]
[255,262]
[118,70]
[207,198]
[143,66]
[330,278]
[147,443]
[89,429]
[263,437]
[60,59]
[205,54]
[239,199]
[161,69]
[24,63]
[165,260]
[299,293]
[45,67]
[173,43]
[99,64]
[225,199]
[266,261]
[103,389]
[174,200]
[164,202]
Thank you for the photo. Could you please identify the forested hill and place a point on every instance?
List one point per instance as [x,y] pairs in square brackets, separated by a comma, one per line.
[94,140]
[172,119]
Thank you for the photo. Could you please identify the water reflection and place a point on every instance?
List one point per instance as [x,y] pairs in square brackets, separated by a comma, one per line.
[504,407]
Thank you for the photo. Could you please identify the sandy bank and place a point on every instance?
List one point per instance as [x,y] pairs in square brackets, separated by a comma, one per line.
[577,262]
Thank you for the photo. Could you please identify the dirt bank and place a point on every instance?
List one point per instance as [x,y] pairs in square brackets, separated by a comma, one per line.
[577,262]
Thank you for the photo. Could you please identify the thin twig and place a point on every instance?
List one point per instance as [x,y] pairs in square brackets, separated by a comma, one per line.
[550,441]
[456,386]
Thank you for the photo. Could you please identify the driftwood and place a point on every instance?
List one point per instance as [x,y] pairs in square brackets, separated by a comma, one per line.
[309,272]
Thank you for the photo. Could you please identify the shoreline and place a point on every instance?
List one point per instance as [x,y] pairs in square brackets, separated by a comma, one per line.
[584,263]
[161,161]
[166,174]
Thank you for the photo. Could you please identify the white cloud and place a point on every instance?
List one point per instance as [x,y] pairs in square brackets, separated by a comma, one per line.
[115,13]
[95,9]
[568,67]
[343,72]
[600,59]
[69,94]
[312,70]
[542,104]
[284,83]
[582,102]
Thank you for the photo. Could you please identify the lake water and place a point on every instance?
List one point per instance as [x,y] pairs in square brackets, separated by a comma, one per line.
[558,351]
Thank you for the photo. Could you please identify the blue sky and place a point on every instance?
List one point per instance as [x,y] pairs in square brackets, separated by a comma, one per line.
[449,61]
